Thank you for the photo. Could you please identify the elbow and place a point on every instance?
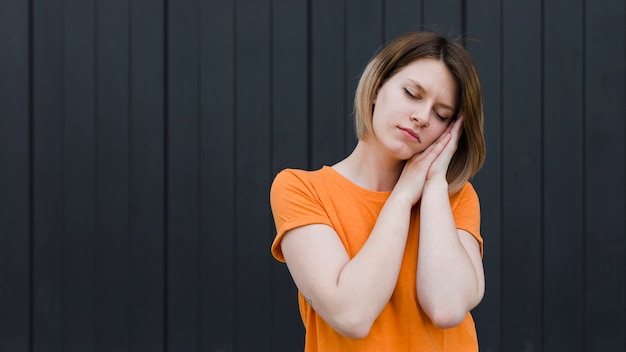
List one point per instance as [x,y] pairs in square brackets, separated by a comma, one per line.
[353,327]
[448,313]
[446,319]
[446,316]
[355,333]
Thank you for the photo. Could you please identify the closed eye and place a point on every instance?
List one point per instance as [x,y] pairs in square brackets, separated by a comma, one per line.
[441,117]
[409,94]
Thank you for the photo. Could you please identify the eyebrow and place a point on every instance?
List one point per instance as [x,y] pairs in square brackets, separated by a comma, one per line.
[422,90]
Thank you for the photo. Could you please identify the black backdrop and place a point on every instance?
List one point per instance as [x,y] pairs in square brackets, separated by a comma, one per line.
[138,140]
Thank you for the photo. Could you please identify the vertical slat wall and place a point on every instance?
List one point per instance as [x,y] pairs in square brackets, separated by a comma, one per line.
[253,94]
[139,139]
[521,176]
[112,170]
[183,135]
[82,215]
[15,177]
[146,127]
[326,81]
[217,170]
[562,174]
[289,132]
[604,175]
[484,22]
[49,316]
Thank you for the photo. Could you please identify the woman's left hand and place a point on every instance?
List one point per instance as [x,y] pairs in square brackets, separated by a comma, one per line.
[439,168]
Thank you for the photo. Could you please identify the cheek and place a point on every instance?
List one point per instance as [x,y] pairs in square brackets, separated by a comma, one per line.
[437,132]
[380,115]
[387,113]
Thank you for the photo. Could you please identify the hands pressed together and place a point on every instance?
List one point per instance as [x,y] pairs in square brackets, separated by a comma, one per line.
[431,165]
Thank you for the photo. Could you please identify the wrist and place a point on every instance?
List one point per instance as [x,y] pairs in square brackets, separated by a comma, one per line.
[436,186]
[401,201]
[436,182]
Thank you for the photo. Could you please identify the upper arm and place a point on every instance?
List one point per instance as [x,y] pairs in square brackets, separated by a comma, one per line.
[315,257]
[472,247]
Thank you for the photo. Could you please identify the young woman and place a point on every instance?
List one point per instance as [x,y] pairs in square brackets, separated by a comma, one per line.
[385,245]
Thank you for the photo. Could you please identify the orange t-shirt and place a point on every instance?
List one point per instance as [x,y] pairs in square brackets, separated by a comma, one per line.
[324,196]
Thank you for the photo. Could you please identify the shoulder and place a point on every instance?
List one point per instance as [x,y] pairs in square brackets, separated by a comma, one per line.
[293,175]
[295,201]
[297,178]
[293,185]
[292,178]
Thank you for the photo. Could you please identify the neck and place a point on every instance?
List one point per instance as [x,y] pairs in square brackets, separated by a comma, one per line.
[367,167]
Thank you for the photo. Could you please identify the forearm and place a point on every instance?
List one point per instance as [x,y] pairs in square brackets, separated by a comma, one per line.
[367,282]
[447,282]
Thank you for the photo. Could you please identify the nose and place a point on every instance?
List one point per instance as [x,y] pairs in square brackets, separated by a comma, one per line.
[421,116]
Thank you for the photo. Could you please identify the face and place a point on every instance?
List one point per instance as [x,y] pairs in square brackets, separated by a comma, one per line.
[414,107]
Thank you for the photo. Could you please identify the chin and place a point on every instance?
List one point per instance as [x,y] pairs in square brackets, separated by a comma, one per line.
[401,151]
[403,155]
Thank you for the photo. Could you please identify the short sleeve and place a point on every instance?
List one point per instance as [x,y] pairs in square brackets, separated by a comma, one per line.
[466,211]
[295,202]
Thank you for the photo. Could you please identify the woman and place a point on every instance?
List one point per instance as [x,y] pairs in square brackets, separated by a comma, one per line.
[385,245]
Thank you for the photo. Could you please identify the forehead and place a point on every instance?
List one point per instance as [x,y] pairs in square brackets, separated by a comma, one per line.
[429,74]
[426,69]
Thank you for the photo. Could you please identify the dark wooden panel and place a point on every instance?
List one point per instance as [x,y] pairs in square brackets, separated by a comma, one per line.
[253,165]
[328,101]
[113,169]
[15,177]
[604,127]
[290,121]
[183,231]
[563,172]
[364,35]
[444,15]
[522,186]
[147,183]
[217,164]
[48,146]
[290,85]
[483,23]
[79,175]
[401,16]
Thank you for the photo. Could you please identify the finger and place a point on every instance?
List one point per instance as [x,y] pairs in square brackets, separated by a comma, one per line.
[458,124]
[430,154]
[454,129]
[453,132]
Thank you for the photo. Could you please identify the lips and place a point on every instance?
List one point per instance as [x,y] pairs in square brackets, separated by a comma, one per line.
[410,134]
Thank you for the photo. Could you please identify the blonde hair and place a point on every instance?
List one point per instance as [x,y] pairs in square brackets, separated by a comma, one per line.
[471,150]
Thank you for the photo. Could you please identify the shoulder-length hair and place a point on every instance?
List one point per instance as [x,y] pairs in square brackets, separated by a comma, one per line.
[471,150]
